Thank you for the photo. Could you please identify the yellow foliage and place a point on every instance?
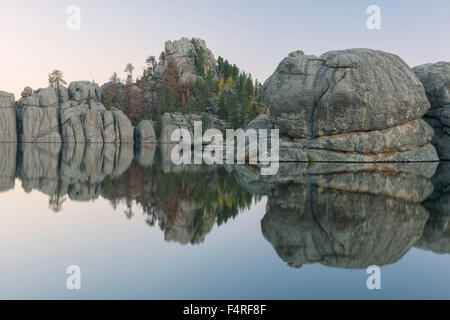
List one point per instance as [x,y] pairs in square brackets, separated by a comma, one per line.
[229,201]
[230,82]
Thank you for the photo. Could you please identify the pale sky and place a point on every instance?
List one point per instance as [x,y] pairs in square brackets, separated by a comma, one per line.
[254,34]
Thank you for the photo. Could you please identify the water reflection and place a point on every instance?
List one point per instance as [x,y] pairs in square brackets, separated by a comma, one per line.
[339,215]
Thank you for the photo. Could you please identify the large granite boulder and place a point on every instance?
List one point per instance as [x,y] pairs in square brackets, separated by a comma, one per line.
[349,105]
[187,55]
[436,81]
[8,131]
[38,116]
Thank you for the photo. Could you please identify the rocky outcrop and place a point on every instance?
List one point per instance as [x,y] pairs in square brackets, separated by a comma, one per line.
[73,115]
[8,131]
[39,116]
[85,119]
[84,90]
[145,143]
[190,57]
[436,81]
[172,121]
[350,105]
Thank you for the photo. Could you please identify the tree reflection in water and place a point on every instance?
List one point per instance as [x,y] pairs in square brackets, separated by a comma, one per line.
[337,214]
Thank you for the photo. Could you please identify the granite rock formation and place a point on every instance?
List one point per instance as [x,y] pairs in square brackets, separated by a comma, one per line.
[8,131]
[350,105]
[38,116]
[73,115]
[145,132]
[187,55]
[436,81]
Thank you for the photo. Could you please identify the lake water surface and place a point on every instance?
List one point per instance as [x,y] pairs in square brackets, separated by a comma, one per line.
[141,228]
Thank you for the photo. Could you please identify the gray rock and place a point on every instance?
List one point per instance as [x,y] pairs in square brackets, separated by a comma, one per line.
[123,127]
[260,122]
[27,91]
[109,132]
[435,78]
[7,100]
[400,138]
[72,117]
[84,90]
[341,92]
[184,53]
[146,154]
[145,132]
[48,97]
[436,81]
[172,121]
[8,127]
[295,151]
[39,124]
[63,94]
[93,126]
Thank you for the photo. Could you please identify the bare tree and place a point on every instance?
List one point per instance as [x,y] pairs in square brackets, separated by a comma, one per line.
[55,79]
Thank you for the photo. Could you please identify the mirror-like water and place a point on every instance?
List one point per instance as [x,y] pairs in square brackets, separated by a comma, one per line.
[140,227]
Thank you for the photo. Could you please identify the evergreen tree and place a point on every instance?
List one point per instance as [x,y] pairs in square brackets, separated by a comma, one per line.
[55,79]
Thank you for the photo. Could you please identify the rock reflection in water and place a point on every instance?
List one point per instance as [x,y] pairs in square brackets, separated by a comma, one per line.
[436,236]
[185,202]
[337,214]
[346,216]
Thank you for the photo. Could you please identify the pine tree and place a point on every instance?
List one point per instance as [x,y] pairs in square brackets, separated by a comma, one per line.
[55,79]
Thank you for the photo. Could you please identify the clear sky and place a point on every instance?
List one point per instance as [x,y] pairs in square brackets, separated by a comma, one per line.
[254,34]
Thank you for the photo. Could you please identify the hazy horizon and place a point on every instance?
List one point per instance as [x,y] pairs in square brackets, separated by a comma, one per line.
[255,35]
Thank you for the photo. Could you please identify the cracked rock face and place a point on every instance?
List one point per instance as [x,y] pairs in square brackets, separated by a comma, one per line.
[349,105]
[87,120]
[436,81]
[145,131]
[187,54]
[8,131]
[38,116]
[84,90]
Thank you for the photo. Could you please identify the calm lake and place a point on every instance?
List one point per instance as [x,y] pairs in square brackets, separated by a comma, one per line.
[140,227]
